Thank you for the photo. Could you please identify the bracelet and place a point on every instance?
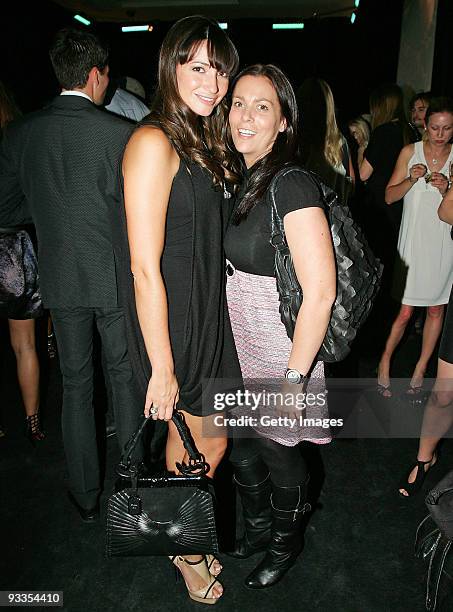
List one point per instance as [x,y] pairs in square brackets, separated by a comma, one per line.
[412,182]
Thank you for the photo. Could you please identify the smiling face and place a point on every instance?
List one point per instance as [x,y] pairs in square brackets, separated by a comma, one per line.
[200,85]
[255,117]
[440,128]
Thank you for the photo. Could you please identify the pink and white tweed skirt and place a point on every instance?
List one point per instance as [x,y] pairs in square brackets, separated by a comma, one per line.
[264,348]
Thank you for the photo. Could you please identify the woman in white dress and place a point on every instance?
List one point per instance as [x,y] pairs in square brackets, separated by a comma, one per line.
[422,177]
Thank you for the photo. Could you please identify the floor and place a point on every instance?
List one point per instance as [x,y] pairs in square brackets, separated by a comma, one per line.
[358,553]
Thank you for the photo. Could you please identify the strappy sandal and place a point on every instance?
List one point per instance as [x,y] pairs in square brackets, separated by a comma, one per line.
[412,488]
[34,432]
[210,560]
[201,568]
[382,390]
[415,395]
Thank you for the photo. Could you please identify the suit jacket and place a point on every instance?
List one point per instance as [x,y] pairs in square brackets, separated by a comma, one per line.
[65,159]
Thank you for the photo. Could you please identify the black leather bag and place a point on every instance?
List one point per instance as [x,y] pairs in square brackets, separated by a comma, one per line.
[358,272]
[433,542]
[162,515]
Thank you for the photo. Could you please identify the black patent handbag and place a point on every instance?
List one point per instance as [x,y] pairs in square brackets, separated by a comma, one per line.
[162,515]
[433,543]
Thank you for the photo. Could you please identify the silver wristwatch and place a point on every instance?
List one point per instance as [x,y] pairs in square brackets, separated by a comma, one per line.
[294,376]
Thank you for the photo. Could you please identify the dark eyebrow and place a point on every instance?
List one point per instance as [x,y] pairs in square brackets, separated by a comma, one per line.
[260,100]
[194,61]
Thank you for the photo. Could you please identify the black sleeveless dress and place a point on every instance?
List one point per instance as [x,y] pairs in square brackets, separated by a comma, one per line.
[193,269]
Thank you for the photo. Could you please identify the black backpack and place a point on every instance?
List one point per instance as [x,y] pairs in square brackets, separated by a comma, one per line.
[358,272]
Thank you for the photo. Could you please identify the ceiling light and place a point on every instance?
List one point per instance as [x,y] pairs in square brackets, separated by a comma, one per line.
[357,2]
[223,25]
[353,17]
[137,28]
[82,20]
[288,26]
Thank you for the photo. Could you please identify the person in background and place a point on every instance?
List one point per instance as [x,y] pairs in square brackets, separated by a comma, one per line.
[424,274]
[438,417]
[418,106]
[359,136]
[20,297]
[122,102]
[323,147]
[270,472]
[65,160]
[376,161]
[176,212]
[360,130]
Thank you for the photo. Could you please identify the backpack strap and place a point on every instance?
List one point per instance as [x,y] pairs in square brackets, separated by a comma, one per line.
[278,239]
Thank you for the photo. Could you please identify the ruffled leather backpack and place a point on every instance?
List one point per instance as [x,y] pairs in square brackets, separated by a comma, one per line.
[358,271]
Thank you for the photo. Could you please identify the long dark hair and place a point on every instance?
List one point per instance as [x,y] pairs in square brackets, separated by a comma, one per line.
[284,149]
[199,139]
[321,140]
[387,104]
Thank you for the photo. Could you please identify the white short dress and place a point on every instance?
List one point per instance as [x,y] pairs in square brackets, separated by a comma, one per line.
[425,269]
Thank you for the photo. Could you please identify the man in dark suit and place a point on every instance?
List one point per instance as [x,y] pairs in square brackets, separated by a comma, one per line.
[65,159]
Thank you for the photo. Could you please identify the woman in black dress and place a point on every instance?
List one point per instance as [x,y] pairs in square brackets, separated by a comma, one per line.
[270,472]
[176,216]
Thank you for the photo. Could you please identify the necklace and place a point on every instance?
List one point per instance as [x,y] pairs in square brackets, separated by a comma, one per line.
[435,161]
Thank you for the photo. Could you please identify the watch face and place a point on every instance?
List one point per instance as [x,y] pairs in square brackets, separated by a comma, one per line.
[293,376]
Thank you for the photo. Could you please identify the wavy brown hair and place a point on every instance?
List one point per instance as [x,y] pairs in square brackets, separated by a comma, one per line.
[195,138]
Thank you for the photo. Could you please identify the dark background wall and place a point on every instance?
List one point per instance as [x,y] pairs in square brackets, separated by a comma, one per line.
[352,58]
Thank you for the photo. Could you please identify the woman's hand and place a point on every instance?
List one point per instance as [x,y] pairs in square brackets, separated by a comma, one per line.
[440,181]
[417,171]
[163,394]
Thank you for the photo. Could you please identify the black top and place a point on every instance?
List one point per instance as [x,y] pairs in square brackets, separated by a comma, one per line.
[382,152]
[193,269]
[64,159]
[247,245]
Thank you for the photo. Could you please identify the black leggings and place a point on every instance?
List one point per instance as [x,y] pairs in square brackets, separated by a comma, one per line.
[286,464]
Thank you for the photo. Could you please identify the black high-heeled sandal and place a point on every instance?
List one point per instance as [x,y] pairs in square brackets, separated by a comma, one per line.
[34,432]
[412,488]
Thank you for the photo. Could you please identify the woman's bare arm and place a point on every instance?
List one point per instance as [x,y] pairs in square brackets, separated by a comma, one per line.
[445,210]
[400,182]
[310,242]
[149,166]
[365,168]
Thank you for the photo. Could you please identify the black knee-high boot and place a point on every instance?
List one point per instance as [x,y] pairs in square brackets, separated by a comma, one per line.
[288,507]
[254,487]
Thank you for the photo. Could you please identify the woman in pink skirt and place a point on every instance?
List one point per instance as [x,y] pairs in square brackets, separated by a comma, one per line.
[270,472]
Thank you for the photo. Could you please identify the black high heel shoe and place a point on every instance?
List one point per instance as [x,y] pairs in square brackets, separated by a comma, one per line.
[412,488]
[34,432]
[51,345]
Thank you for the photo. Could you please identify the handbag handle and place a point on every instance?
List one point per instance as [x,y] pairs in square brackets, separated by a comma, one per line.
[197,465]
